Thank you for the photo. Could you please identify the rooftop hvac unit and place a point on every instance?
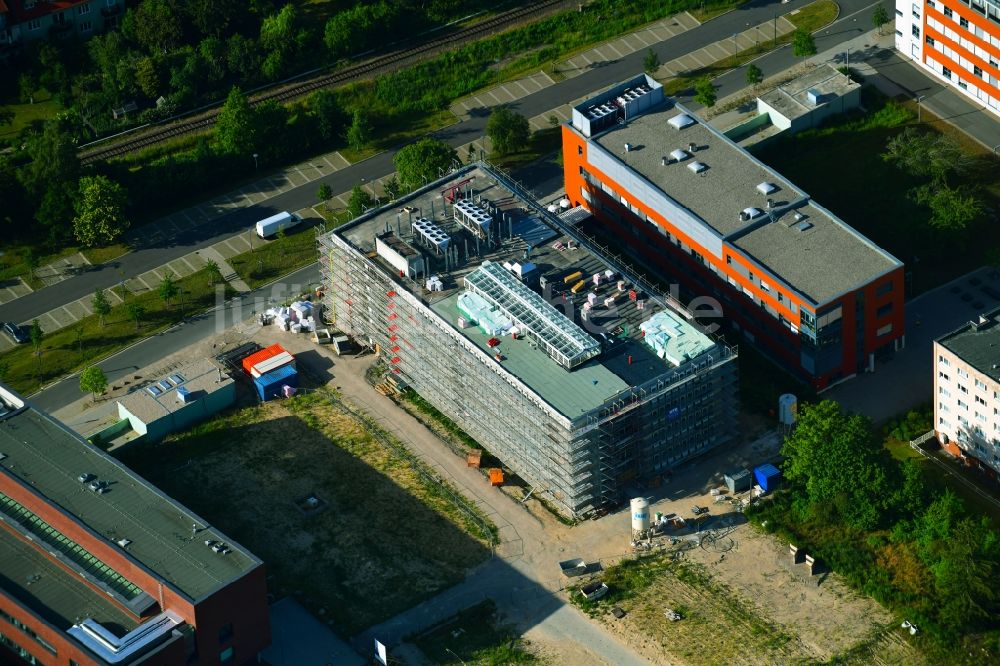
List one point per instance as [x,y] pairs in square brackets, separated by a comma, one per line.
[814,96]
[692,147]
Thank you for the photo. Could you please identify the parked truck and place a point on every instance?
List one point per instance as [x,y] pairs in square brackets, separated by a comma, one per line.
[269,226]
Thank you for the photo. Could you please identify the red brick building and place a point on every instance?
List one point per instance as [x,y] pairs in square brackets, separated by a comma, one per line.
[99,567]
[697,209]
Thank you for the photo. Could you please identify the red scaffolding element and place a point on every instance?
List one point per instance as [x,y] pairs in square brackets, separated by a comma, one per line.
[449,192]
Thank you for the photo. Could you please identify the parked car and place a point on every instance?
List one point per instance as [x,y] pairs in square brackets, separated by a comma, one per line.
[15,332]
[698,510]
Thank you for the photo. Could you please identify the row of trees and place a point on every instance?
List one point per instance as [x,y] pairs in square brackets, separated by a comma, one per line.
[880,522]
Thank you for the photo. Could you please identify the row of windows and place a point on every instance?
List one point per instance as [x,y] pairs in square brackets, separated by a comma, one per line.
[959,55]
[28,631]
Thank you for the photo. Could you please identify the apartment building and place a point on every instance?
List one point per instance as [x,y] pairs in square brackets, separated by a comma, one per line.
[569,368]
[99,567]
[697,209]
[957,40]
[967,392]
[23,21]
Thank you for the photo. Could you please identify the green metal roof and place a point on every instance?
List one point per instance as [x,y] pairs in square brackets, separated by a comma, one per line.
[49,458]
[58,597]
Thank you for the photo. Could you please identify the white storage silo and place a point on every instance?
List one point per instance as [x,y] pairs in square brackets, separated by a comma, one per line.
[788,406]
[640,514]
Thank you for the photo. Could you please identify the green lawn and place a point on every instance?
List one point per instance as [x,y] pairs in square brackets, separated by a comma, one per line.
[474,636]
[14,263]
[75,347]
[270,259]
[542,143]
[840,165]
[812,17]
[25,115]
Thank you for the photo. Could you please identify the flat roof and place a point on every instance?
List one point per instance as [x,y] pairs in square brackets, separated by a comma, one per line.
[521,236]
[977,343]
[57,596]
[792,99]
[48,458]
[158,398]
[829,259]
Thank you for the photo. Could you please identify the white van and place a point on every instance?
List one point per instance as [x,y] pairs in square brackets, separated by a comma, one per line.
[272,225]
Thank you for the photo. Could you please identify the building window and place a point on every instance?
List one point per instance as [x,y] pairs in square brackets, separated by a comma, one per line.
[948,12]
[34,24]
[883,311]
[28,631]
[579,150]
[915,31]
[83,9]
[978,72]
[943,360]
[981,385]
[930,3]
[963,22]
[85,26]
[729,260]
[929,40]
[963,389]
[962,373]
[964,405]
[225,633]
[227,656]
[885,330]
[981,401]
[946,72]
[962,85]
[883,288]
[943,391]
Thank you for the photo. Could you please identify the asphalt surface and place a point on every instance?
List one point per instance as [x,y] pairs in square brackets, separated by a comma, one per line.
[152,255]
[193,330]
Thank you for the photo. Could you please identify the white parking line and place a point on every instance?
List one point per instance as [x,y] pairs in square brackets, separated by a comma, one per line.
[194,269]
[56,324]
[70,314]
[612,47]
[329,163]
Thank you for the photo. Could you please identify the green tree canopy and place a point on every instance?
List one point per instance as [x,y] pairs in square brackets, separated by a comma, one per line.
[53,159]
[101,305]
[803,44]
[423,161]
[359,201]
[704,92]
[330,118]
[154,25]
[324,193]
[879,17]
[168,288]
[100,211]
[136,312]
[651,62]
[834,456]
[952,208]
[509,131]
[93,380]
[234,127]
[754,75]
[928,155]
[360,131]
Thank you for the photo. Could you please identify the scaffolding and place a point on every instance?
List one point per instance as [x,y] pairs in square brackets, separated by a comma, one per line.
[579,462]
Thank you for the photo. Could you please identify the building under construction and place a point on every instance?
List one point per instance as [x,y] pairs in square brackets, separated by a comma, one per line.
[568,367]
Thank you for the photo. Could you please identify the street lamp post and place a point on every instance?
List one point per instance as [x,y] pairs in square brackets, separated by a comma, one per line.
[736,48]
[255,156]
[775,28]
[919,108]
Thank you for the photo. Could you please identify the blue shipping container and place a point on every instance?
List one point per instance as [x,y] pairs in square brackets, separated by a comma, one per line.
[269,384]
[768,477]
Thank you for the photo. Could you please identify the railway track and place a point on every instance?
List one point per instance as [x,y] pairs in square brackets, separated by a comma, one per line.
[377,65]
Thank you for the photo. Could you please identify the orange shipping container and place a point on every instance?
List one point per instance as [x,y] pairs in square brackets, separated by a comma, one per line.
[262,355]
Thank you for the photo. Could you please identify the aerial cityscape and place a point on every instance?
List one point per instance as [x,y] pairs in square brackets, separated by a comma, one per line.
[347,332]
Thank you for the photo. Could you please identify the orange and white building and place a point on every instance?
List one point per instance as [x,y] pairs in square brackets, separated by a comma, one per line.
[680,197]
[957,40]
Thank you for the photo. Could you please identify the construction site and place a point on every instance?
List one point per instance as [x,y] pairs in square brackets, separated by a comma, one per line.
[565,364]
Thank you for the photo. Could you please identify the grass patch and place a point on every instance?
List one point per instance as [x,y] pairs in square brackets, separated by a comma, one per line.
[703,13]
[812,17]
[29,115]
[475,636]
[842,156]
[387,538]
[543,142]
[270,259]
[101,255]
[69,349]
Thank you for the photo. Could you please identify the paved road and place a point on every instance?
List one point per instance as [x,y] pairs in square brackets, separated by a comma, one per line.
[153,255]
[152,350]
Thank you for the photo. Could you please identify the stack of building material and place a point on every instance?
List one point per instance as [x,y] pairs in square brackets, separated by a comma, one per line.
[272,363]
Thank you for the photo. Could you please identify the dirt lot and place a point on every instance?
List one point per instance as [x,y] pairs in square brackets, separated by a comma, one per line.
[381,539]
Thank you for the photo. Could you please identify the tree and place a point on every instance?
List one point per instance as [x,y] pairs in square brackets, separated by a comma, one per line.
[359,201]
[53,160]
[136,312]
[31,260]
[147,77]
[93,380]
[952,208]
[324,193]
[27,85]
[651,62]
[509,131]
[214,273]
[360,131]
[154,25]
[880,17]
[36,334]
[423,161]
[243,56]
[391,187]
[928,155]
[329,116]
[704,92]
[100,211]
[803,44]
[101,305]
[213,17]
[234,126]
[277,32]
[168,288]
[754,75]
[835,458]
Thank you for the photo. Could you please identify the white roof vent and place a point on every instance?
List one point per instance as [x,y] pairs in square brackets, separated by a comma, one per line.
[681,121]
[766,188]
[697,167]
[752,212]
[804,226]
[679,155]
